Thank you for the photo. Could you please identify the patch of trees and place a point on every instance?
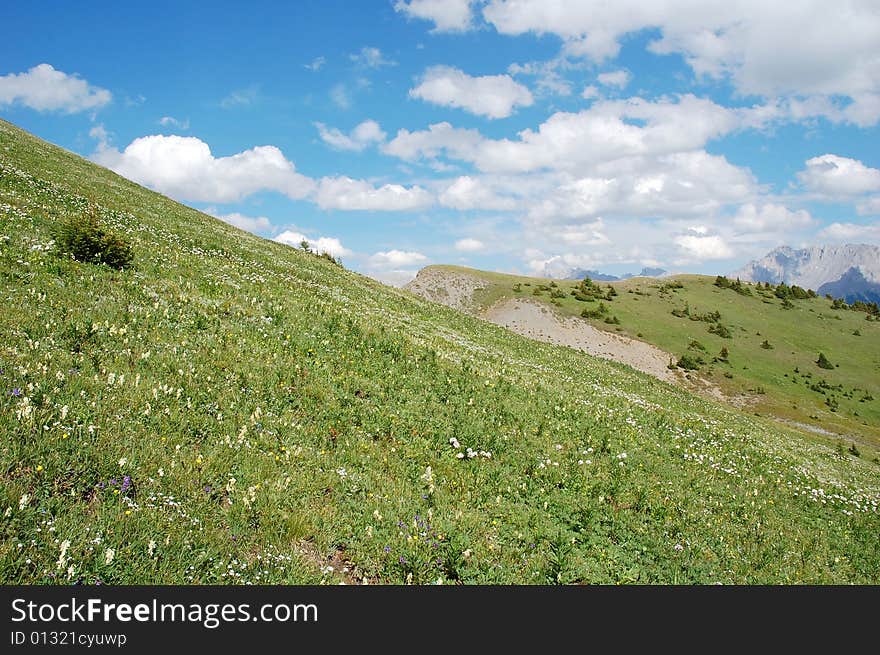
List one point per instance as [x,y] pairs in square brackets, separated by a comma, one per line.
[713,318]
[871,309]
[734,285]
[589,291]
[785,292]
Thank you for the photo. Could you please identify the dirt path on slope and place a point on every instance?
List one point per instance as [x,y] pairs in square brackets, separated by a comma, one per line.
[537,322]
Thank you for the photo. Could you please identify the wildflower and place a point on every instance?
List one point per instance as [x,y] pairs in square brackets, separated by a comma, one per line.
[62,558]
[151,547]
[678,547]
[428,477]
[39,467]
[23,501]
[126,483]
[122,462]
[387,549]
[109,554]
[16,392]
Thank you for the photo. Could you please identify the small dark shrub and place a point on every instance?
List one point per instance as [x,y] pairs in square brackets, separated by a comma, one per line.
[86,240]
[690,362]
[823,362]
[721,330]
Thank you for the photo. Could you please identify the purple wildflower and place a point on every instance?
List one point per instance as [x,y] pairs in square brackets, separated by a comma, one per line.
[16,392]
[113,482]
[387,549]
[126,483]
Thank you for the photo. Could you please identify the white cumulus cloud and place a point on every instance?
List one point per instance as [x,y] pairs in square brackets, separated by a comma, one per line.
[573,140]
[618,78]
[439,139]
[362,136]
[770,217]
[348,194]
[396,259]
[493,96]
[469,245]
[805,49]
[700,246]
[185,169]
[447,15]
[46,89]
[852,232]
[838,177]
[466,192]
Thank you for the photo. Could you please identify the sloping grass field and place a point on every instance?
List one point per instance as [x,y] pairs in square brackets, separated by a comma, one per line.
[232,410]
[772,346]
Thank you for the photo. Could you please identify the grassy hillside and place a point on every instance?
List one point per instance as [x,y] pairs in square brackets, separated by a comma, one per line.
[232,410]
[772,346]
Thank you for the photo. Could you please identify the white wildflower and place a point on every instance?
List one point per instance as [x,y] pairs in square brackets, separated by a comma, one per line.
[428,477]
[62,558]
[109,554]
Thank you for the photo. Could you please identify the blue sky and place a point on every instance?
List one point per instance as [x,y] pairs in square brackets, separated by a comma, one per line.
[534,137]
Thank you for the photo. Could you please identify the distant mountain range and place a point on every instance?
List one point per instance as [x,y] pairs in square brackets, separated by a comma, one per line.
[851,272]
[581,273]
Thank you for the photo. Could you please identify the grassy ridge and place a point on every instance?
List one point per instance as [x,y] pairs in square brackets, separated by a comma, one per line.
[234,410]
[782,380]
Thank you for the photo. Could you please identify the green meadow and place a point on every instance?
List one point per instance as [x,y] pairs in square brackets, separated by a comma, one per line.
[231,410]
[772,344]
